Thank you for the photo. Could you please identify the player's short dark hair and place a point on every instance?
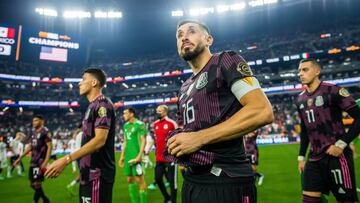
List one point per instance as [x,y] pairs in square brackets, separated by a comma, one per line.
[99,74]
[41,117]
[131,110]
[202,25]
[312,61]
[80,125]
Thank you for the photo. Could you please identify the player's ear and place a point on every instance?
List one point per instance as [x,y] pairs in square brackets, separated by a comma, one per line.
[317,71]
[94,82]
[209,40]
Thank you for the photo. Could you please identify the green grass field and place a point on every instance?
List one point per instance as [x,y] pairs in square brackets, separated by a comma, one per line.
[277,162]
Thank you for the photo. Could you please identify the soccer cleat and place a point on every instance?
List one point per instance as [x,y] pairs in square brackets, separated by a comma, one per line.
[261,179]
[167,184]
[151,187]
[71,190]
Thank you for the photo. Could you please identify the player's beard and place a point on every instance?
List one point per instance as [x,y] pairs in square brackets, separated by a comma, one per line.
[159,116]
[188,55]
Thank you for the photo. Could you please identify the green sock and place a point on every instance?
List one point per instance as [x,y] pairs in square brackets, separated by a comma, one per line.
[143,195]
[133,192]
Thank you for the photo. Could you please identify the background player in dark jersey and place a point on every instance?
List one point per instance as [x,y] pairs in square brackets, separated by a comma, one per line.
[162,127]
[252,152]
[40,147]
[97,158]
[218,104]
[330,163]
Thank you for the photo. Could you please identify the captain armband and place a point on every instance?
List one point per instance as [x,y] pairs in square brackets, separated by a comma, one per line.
[244,85]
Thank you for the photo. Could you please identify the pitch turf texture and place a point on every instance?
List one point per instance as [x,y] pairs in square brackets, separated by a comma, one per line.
[277,162]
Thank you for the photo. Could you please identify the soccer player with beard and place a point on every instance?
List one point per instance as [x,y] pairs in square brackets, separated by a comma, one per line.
[40,147]
[97,156]
[162,127]
[330,163]
[218,104]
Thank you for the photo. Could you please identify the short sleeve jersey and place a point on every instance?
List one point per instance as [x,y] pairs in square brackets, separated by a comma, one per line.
[321,114]
[101,163]
[132,133]
[39,139]
[206,99]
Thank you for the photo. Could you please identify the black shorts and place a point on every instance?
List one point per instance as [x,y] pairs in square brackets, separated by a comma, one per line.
[36,174]
[96,191]
[335,174]
[208,188]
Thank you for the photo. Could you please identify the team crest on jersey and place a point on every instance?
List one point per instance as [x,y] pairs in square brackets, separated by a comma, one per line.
[244,69]
[343,92]
[310,102]
[102,112]
[202,81]
[166,126]
[301,106]
[319,101]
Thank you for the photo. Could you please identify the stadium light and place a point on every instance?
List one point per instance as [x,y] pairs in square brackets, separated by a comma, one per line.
[238,6]
[177,13]
[46,12]
[77,14]
[270,1]
[110,14]
[222,8]
[201,11]
[114,14]
[100,14]
[255,3]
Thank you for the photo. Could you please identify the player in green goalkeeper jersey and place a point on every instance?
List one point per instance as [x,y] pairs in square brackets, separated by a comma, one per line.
[131,155]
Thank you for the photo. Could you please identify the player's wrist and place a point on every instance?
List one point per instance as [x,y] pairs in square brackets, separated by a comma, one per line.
[68,159]
[301,158]
[341,144]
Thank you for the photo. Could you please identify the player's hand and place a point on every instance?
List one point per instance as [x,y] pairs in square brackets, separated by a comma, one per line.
[184,143]
[121,162]
[301,166]
[133,161]
[43,165]
[16,162]
[334,151]
[56,168]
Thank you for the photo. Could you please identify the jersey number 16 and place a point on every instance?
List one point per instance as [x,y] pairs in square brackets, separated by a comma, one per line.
[189,112]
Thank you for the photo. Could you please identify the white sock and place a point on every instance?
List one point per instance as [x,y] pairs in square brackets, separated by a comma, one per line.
[73,183]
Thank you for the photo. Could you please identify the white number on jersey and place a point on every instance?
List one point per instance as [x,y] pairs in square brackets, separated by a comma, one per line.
[189,112]
[310,115]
